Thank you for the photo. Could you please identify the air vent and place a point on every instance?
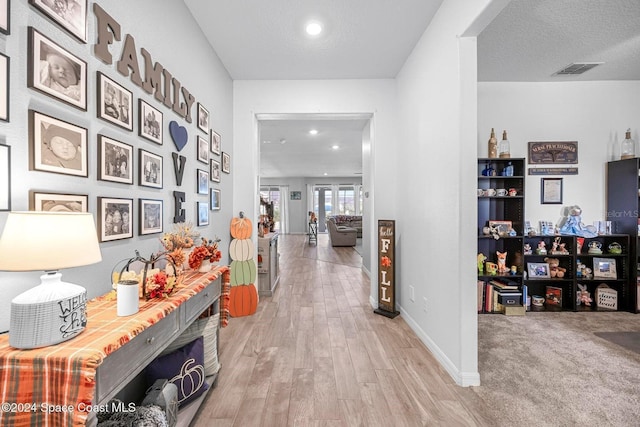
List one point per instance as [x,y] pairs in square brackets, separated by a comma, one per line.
[577,68]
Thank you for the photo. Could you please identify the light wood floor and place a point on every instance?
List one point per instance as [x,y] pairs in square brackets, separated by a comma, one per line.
[315,354]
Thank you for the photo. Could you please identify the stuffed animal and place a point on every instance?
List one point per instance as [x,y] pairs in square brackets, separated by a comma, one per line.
[502,262]
[584,296]
[554,267]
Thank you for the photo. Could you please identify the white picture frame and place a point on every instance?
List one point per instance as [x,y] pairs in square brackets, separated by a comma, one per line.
[604,268]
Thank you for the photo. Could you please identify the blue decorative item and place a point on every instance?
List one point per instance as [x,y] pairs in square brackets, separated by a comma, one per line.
[508,171]
[488,170]
[571,223]
[179,134]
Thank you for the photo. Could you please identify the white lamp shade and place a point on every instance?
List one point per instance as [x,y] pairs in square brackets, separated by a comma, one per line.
[48,241]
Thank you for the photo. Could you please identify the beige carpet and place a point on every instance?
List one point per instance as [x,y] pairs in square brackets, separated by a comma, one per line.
[550,369]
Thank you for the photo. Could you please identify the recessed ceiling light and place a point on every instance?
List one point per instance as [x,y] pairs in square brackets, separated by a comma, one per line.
[313,131]
[283,141]
[266,142]
[325,174]
[335,147]
[313,28]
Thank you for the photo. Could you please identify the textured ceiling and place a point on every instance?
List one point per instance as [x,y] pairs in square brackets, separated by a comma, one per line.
[528,41]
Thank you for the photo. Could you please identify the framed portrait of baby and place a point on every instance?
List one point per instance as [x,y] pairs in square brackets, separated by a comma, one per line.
[115,218]
[56,72]
[69,14]
[115,103]
[57,146]
[57,202]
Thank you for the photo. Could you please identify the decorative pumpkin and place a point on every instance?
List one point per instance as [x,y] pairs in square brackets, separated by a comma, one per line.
[243,272]
[241,228]
[243,300]
[190,379]
[241,249]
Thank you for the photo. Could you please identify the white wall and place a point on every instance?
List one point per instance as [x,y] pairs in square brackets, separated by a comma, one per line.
[596,114]
[169,33]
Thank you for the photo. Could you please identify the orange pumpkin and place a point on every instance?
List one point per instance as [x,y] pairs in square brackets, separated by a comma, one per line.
[241,228]
[243,300]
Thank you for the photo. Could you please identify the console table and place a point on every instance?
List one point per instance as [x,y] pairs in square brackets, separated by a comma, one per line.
[58,385]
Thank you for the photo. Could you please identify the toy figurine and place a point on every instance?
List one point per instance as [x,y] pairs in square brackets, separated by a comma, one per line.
[481,259]
[514,270]
[527,249]
[571,223]
[558,248]
[541,249]
[584,296]
[595,248]
[502,262]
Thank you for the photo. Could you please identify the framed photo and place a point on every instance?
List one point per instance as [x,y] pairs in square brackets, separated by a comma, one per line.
[5,13]
[203,213]
[56,72]
[551,191]
[503,227]
[296,195]
[215,199]
[150,122]
[203,118]
[553,296]
[70,15]
[56,202]
[604,268]
[203,150]
[202,181]
[150,169]
[115,160]
[57,146]
[216,142]
[538,270]
[115,219]
[150,212]
[5,177]
[226,163]
[214,172]
[4,87]
[115,103]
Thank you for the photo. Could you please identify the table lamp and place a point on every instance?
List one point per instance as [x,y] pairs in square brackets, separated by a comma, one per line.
[54,311]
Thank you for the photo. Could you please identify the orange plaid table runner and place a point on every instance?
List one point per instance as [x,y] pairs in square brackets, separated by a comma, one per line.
[54,386]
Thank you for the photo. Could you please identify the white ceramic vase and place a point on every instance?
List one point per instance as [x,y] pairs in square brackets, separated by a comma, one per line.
[205,267]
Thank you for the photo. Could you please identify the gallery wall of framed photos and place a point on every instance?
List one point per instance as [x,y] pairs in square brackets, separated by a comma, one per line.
[83,128]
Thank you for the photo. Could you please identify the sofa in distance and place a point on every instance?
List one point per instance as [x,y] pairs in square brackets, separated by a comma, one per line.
[352,221]
[340,235]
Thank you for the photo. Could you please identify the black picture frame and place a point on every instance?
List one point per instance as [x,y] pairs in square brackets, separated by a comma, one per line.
[115,103]
[149,216]
[150,169]
[4,87]
[68,85]
[216,142]
[58,202]
[551,191]
[214,199]
[115,218]
[202,149]
[226,162]
[214,170]
[202,212]
[115,160]
[203,118]
[150,122]
[202,182]
[5,177]
[5,17]
[70,15]
[50,144]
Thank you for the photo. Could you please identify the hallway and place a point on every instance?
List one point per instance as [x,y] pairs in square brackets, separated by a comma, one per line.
[314,354]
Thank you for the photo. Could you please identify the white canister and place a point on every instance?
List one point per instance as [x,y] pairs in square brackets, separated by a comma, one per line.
[127,297]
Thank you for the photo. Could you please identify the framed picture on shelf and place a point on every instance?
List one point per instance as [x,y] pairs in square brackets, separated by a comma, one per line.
[215,199]
[150,169]
[216,142]
[604,268]
[150,216]
[202,180]
[226,163]
[214,170]
[56,202]
[551,191]
[5,13]
[57,146]
[56,72]
[115,160]
[4,88]
[5,177]
[115,218]
[203,118]
[150,122]
[115,103]
[203,150]
[538,270]
[553,296]
[503,227]
[203,213]
[70,15]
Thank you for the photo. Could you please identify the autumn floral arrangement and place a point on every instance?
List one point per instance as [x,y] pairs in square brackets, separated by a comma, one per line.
[153,282]
[208,250]
[181,237]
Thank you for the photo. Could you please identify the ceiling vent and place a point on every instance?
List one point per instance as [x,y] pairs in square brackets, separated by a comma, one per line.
[577,68]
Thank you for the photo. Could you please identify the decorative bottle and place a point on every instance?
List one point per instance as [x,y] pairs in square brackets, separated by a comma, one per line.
[508,171]
[493,145]
[628,147]
[504,150]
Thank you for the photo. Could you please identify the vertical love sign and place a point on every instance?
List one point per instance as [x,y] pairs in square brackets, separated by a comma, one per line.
[386,269]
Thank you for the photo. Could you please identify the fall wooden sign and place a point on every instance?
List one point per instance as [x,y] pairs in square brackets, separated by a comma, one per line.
[386,269]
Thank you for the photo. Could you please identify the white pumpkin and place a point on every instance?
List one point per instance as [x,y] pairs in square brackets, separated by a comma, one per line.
[241,249]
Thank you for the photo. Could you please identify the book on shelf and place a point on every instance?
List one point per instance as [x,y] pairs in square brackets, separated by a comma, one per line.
[504,284]
[480,287]
[553,296]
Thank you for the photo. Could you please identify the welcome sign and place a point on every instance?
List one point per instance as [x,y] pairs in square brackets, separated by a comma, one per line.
[386,269]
